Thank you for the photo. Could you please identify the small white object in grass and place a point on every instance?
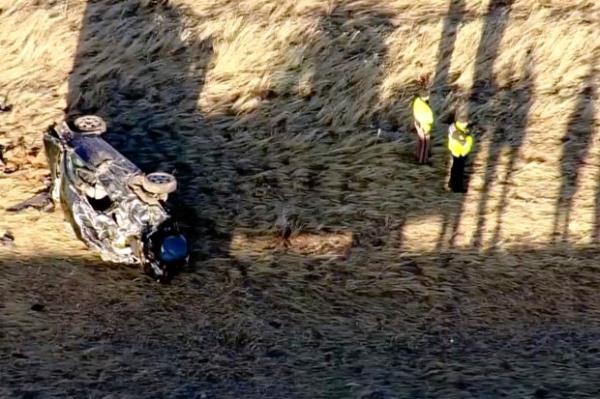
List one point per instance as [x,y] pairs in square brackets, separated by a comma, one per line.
[378,132]
[184,35]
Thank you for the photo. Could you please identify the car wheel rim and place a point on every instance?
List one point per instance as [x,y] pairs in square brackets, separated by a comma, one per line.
[160,179]
[86,123]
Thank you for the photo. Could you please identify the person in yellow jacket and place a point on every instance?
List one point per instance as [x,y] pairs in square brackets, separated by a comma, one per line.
[423,116]
[460,144]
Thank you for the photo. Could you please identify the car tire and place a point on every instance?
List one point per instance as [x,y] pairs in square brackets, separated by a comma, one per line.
[159,183]
[90,124]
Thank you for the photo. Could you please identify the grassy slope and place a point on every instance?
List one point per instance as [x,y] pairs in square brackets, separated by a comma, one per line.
[269,113]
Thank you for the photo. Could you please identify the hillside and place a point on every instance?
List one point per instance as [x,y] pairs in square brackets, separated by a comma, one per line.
[294,115]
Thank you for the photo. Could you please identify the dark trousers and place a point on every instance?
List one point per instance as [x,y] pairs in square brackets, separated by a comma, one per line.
[457,175]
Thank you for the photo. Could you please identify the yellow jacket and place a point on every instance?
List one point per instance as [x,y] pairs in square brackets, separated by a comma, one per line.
[460,142]
[423,114]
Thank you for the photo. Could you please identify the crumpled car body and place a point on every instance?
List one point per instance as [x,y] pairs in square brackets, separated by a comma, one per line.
[114,208]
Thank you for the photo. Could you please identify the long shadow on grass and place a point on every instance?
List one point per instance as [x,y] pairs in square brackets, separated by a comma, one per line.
[484,90]
[524,324]
[440,82]
[519,99]
[140,68]
[577,142]
[310,166]
[452,20]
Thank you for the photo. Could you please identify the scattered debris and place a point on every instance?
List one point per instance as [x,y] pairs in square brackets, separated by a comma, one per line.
[7,170]
[40,200]
[38,307]
[287,225]
[7,238]
[7,151]
[4,105]
[275,324]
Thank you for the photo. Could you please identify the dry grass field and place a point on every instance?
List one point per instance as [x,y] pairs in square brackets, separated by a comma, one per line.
[292,117]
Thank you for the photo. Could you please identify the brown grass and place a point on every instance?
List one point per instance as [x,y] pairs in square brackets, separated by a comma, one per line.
[291,118]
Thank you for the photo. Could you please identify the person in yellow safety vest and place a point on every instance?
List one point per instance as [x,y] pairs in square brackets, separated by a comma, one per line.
[423,115]
[460,144]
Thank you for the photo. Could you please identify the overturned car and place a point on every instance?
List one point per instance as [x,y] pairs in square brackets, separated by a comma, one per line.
[114,207]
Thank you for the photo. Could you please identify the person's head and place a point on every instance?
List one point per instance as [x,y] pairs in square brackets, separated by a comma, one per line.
[462,127]
[166,251]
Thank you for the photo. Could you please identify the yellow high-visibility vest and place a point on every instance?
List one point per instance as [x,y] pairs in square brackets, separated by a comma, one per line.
[460,142]
[423,114]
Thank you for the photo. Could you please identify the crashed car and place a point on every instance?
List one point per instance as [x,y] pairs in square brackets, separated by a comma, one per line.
[114,207]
